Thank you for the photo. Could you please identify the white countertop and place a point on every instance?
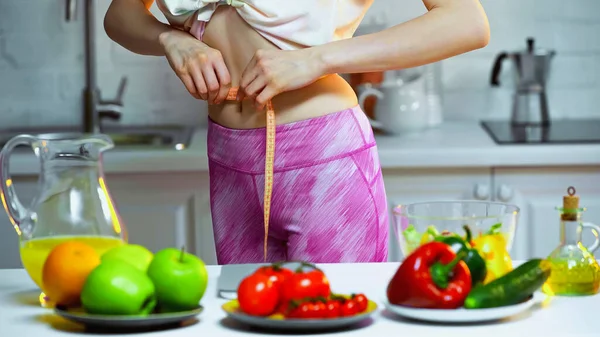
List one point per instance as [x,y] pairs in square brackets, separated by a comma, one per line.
[453,144]
[561,316]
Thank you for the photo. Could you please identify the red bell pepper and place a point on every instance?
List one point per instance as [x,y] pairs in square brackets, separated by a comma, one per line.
[432,277]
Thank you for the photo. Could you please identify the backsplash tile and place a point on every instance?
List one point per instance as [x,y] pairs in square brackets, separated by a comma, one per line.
[578,37]
[580,10]
[42,64]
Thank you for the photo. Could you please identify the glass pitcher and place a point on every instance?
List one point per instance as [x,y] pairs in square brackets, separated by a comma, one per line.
[72,203]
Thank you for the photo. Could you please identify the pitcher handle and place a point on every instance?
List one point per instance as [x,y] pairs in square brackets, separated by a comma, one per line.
[595,230]
[14,208]
[364,92]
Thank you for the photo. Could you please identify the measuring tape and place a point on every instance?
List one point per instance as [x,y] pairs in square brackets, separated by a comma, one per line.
[269,159]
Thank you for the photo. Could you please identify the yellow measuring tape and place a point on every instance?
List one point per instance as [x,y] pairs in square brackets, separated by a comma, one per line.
[269,159]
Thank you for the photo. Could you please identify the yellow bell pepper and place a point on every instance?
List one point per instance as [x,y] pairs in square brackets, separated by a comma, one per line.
[430,234]
[492,248]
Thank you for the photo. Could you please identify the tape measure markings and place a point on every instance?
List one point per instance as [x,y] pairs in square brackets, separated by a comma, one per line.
[269,162]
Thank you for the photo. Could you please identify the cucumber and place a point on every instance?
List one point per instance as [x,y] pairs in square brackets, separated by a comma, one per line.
[514,287]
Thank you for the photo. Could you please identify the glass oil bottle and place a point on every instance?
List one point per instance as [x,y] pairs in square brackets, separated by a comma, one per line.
[574,269]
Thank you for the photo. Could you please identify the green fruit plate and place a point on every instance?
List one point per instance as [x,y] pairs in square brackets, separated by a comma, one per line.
[232,308]
[128,322]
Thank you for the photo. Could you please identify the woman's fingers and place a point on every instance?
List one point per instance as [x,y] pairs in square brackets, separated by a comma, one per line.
[199,82]
[207,82]
[246,81]
[207,77]
[255,87]
[201,68]
[249,74]
[224,79]
[188,82]
[265,96]
[211,83]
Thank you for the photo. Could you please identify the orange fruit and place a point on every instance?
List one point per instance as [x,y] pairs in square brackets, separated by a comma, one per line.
[66,269]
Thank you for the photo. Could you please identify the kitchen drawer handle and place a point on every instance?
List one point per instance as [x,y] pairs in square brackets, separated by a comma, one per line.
[505,193]
[481,191]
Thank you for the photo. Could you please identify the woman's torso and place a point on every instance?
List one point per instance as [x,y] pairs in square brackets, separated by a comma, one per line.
[237,41]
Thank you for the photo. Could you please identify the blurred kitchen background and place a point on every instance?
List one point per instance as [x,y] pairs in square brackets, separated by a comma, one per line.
[162,193]
[42,64]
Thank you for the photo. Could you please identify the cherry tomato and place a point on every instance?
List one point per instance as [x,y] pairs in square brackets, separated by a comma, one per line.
[319,310]
[301,285]
[302,310]
[332,309]
[361,302]
[349,308]
[258,295]
[309,310]
[277,273]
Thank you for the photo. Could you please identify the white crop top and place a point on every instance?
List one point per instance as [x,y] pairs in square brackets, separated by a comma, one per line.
[289,24]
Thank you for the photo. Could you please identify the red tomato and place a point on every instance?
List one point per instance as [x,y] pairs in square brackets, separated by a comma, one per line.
[361,302]
[332,309]
[309,310]
[303,310]
[258,295]
[349,308]
[319,310]
[277,274]
[283,308]
[321,282]
[301,285]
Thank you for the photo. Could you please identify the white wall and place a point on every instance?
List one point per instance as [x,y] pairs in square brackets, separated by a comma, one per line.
[41,63]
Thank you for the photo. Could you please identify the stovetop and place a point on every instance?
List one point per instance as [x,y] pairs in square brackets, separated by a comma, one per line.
[566,131]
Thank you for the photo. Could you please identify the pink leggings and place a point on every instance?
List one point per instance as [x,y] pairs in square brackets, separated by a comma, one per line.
[328,201]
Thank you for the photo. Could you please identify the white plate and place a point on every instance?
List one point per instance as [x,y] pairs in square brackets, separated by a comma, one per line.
[463,315]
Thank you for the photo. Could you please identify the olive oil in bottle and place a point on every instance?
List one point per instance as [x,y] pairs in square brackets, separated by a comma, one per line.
[574,270]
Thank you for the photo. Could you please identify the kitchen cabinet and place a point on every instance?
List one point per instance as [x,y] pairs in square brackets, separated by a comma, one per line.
[166,210]
[537,191]
[158,209]
[416,185]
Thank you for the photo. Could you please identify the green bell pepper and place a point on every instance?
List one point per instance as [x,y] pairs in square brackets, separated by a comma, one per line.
[471,257]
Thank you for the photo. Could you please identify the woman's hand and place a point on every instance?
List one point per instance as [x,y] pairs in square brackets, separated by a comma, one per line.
[200,68]
[271,72]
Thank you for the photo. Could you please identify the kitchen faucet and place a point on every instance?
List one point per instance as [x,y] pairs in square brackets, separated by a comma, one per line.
[95,108]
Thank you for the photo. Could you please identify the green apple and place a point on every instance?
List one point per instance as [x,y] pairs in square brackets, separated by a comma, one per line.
[118,288]
[136,255]
[180,279]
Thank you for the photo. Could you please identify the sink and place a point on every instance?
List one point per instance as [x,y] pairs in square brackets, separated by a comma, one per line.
[141,139]
[136,137]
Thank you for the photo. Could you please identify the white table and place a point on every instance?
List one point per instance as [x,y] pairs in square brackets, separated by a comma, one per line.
[562,317]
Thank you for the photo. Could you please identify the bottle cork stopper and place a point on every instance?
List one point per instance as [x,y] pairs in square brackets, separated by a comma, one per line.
[571,201]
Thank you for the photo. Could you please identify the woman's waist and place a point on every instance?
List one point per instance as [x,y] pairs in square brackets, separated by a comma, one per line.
[297,144]
[327,95]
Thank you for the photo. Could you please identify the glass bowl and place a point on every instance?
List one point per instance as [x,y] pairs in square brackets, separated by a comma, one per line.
[417,223]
